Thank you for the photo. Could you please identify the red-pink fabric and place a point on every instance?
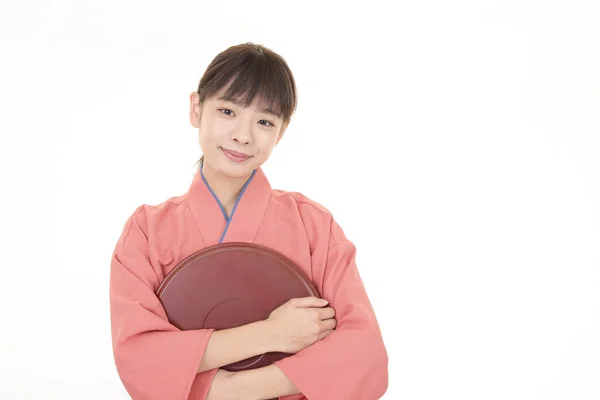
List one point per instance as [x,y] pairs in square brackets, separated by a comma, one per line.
[157,361]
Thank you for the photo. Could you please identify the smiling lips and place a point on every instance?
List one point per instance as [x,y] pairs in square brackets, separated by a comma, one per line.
[235,156]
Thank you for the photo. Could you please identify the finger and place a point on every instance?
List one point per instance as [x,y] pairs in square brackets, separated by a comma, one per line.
[309,302]
[323,335]
[328,324]
[326,313]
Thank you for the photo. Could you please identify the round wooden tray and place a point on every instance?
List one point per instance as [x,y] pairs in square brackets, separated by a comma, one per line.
[230,285]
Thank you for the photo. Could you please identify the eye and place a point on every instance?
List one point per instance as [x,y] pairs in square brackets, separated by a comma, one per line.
[265,122]
[226,111]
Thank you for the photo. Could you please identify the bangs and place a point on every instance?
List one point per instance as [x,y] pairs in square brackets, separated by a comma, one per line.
[250,74]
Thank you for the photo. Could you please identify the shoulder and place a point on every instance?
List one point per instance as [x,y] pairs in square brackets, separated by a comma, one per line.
[300,200]
[148,217]
[313,213]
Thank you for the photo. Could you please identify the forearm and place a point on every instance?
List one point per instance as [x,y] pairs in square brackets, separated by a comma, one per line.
[232,345]
[258,384]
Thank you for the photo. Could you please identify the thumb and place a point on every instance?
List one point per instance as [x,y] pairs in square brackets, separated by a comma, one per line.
[310,302]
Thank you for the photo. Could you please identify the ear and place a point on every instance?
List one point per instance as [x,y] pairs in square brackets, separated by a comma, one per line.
[283,129]
[195,110]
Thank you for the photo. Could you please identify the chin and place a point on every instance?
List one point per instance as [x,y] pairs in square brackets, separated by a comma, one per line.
[235,173]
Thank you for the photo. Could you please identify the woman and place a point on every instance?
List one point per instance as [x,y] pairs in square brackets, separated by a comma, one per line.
[242,107]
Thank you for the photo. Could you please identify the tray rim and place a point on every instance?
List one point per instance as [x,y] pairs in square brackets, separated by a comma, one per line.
[242,246]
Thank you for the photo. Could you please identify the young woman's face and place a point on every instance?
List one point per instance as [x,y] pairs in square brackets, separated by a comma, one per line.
[234,140]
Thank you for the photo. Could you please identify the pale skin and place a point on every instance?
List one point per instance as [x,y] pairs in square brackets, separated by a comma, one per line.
[225,125]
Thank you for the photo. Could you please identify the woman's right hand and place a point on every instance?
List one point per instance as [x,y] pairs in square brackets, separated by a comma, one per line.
[299,323]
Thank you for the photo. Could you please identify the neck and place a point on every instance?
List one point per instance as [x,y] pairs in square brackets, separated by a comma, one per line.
[226,189]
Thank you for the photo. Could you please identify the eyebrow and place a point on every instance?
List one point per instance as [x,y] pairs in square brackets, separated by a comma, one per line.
[240,104]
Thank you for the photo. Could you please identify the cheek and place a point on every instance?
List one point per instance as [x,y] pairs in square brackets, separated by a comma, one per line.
[266,143]
[209,130]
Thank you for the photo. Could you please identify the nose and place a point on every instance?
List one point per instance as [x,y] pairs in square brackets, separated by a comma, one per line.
[242,134]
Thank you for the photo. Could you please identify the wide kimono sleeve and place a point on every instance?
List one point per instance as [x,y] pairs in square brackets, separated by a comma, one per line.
[154,359]
[352,362]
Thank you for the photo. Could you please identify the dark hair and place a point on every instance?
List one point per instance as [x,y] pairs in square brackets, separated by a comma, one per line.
[251,71]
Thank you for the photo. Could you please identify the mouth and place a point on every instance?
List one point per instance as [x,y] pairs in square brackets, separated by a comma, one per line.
[235,155]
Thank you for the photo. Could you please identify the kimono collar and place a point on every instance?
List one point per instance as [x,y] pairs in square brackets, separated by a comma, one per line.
[246,216]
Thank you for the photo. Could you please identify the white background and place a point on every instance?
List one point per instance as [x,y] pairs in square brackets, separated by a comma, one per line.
[457,143]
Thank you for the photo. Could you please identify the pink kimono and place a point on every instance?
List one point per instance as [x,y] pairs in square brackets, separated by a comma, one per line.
[157,361]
